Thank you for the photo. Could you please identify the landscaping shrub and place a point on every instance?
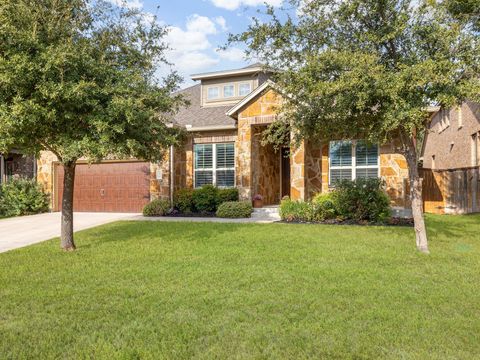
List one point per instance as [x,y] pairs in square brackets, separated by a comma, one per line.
[362,200]
[225,195]
[183,201]
[325,206]
[205,199]
[235,209]
[22,197]
[156,207]
[296,210]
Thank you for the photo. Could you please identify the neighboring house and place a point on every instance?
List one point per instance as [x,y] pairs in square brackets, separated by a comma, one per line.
[451,160]
[453,138]
[227,114]
[16,165]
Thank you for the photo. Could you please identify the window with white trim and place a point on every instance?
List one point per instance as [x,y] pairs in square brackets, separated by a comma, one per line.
[228,91]
[244,89]
[214,164]
[213,92]
[349,160]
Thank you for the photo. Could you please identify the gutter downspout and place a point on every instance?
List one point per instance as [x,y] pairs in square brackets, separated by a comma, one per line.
[2,169]
[172,175]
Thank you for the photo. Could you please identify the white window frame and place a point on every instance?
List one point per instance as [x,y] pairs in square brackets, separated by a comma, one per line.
[249,88]
[214,169]
[233,91]
[354,166]
[208,92]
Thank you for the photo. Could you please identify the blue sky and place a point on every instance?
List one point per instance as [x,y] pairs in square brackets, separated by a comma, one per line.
[198,28]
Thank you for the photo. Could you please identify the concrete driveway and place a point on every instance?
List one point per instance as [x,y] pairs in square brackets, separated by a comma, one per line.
[26,230]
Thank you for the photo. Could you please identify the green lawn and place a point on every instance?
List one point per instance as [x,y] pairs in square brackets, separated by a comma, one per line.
[146,290]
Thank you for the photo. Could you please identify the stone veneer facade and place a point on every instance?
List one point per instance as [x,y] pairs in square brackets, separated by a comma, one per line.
[257,167]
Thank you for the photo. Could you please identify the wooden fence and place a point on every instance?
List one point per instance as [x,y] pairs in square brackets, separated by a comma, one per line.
[451,191]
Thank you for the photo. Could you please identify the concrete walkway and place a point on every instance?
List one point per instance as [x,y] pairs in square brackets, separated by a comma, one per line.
[26,230]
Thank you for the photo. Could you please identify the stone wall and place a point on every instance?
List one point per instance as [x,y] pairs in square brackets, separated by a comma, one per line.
[45,173]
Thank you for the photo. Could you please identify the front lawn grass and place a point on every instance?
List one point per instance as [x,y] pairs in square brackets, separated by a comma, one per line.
[155,290]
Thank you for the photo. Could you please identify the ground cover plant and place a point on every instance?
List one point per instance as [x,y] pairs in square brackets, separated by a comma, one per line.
[22,197]
[182,290]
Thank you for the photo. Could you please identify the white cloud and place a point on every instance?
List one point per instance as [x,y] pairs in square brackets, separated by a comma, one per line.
[201,24]
[231,54]
[129,4]
[220,20]
[194,61]
[235,4]
[184,40]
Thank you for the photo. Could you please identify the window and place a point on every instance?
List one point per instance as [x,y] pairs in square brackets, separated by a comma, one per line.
[228,91]
[244,89]
[350,160]
[444,120]
[460,116]
[212,93]
[475,149]
[214,164]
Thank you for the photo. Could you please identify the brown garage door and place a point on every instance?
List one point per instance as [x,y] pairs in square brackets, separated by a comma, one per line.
[108,187]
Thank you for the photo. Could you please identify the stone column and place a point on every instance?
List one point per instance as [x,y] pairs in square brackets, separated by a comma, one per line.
[243,149]
[298,185]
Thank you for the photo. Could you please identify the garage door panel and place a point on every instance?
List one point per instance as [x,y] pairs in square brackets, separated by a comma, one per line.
[111,187]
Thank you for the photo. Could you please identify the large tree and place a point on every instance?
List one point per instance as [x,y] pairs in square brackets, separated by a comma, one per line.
[368,69]
[77,78]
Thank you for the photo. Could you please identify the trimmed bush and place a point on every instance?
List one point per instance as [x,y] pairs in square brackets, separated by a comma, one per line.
[22,197]
[183,201]
[325,206]
[156,207]
[205,199]
[225,195]
[296,210]
[362,200]
[235,209]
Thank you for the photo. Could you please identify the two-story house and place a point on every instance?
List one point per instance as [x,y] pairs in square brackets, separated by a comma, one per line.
[227,114]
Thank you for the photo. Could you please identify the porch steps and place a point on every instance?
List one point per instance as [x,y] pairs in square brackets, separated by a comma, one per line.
[266,213]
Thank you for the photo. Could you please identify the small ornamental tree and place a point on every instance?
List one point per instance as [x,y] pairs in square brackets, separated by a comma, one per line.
[369,69]
[77,78]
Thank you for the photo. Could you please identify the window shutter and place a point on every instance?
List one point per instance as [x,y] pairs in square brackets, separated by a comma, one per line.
[341,153]
[203,156]
[366,155]
[225,156]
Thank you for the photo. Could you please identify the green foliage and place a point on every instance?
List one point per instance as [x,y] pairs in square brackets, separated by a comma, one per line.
[228,194]
[325,206]
[183,201]
[362,200]
[372,68]
[235,209]
[22,197]
[300,211]
[205,199]
[78,78]
[157,207]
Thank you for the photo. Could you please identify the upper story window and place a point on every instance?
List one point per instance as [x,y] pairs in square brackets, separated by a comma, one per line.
[229,91]
[244,89]
[350,160]
[444,120]
[213,93]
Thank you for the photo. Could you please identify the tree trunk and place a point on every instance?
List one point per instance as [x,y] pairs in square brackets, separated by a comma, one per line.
[67,243]
[416,198]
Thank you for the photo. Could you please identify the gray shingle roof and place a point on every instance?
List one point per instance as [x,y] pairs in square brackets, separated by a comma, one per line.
[198,116]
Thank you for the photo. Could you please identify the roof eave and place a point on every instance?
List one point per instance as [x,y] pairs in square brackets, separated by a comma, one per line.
[219,74]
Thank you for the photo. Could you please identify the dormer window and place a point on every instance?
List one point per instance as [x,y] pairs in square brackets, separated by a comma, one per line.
[244,89]
[213,93]
[228,91]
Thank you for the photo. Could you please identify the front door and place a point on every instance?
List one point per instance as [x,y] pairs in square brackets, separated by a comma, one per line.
[285,161]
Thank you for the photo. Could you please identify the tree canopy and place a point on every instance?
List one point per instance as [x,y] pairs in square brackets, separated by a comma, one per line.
[77,77]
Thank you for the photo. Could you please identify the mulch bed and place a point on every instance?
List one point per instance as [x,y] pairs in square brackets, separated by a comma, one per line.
[395,221]
[191,215]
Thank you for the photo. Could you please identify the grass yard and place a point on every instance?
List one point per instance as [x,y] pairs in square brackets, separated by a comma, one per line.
[147,290]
